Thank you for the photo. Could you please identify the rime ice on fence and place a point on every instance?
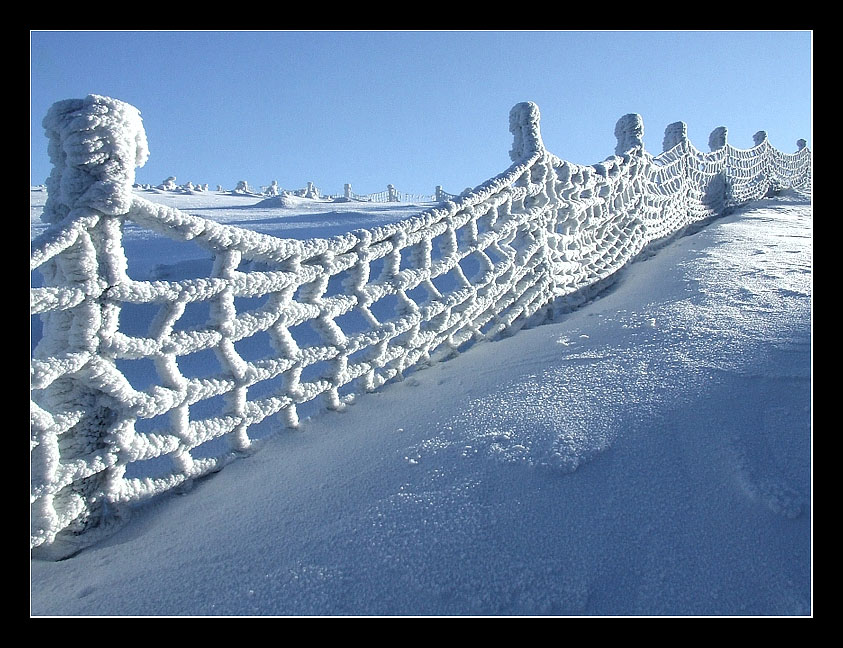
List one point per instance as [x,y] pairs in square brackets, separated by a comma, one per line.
[524,126]
[333,316]
[629,132]
[674,135]
[394,195]
[94,144]
[717,138]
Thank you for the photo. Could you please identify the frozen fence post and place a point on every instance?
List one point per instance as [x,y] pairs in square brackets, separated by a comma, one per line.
[393,195]
[526,135]
[717,139]
[766,163]
[95,144]
[719,194]
[347,190]
[629,131]
[675,133]
[800,144]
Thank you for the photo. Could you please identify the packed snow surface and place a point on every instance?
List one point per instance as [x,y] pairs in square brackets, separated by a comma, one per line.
[647,454]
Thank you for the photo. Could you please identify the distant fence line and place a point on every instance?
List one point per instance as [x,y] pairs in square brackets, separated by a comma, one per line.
[287,321]
[390,194]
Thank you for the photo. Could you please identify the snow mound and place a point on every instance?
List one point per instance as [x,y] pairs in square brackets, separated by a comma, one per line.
[284,201]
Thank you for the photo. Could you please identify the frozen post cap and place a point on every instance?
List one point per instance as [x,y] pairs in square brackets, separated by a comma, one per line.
[717,139]
[759,137]
[800,144]
[675,133]
[524,126]
[630,133]
[95,144]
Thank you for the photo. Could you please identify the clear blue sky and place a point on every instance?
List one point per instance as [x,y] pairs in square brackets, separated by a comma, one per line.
[415,108]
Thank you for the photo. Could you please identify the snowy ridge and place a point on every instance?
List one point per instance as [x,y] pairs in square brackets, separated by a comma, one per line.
[289,321]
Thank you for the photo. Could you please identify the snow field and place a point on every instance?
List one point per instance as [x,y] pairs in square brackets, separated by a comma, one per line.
[646,454]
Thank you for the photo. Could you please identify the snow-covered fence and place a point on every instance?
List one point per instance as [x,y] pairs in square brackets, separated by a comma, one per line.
[391,194]
[442,195]
[289,321]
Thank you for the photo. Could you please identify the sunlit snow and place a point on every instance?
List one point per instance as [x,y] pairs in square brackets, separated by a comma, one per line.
[648,453]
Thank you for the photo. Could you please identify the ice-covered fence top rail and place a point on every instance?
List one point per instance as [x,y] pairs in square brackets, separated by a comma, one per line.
[526,149]
[216,236]
[80,139]
[77,182]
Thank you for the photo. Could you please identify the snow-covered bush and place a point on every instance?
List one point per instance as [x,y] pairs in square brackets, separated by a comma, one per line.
[169,184]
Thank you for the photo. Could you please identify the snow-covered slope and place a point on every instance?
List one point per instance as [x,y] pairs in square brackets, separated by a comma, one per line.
[648,454]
